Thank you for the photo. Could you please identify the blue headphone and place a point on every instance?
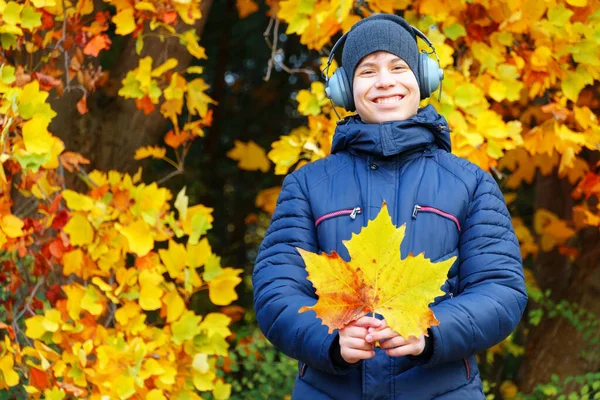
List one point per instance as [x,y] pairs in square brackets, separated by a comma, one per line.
[430,74]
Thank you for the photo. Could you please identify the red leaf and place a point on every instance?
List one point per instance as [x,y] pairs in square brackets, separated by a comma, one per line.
[60,220]
[40,266]
[46,81]
[47,20]
[56,249]
[54,293]
[38,378]
[9,328]
[169,17]
[145,104]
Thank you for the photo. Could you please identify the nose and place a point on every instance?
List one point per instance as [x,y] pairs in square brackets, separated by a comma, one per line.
[385,79]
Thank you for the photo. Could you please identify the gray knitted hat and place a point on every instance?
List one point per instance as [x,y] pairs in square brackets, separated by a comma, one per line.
[380,32]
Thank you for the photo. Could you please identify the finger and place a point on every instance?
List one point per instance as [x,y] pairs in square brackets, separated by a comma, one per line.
[354,331]
[355,354]
[356,343]
[367,322]
[387,333]
[409,349]
[393,342]
[382,326]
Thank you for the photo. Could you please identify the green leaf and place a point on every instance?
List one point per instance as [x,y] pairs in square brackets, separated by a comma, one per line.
[11,14]
[139,44]
[455,31]
[8,74]
[8,41]
[31,19]
[212,268]
[32,162]
[200,226]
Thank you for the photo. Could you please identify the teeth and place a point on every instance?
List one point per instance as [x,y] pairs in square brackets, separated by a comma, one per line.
[388,100]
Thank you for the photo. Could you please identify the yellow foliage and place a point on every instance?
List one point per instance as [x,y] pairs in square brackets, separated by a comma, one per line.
[251,156]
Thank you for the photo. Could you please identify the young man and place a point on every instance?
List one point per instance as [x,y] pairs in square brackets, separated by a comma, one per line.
[393,151]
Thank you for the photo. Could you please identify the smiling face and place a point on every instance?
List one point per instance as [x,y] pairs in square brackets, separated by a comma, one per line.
[385,89]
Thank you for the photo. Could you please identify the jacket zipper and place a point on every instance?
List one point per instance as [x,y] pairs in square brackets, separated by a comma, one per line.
[468,368]
[451,217]
[352,212]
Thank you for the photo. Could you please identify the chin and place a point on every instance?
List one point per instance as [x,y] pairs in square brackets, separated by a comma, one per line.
[388,117]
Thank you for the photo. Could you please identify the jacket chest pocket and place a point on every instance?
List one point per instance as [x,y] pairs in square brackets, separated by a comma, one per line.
[350,213]
[434,231]
[337,225]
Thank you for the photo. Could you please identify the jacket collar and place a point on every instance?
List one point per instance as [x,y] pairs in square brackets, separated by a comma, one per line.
[394,137]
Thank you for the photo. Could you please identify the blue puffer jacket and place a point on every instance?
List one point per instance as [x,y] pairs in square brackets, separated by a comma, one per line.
[450,207]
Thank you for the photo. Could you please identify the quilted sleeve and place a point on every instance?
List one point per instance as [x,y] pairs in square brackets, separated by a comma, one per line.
[281,286]
[492,296]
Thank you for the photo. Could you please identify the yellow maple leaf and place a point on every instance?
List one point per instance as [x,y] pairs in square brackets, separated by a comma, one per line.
[36,137]
[79,229]
[376,280]
[138,236]
[73,262]
[296,13]
[310,102]
[190,41]
[77,201]
[150,151]
[250,156]
[8,377]
[125,22]
[175,305]
[221,391]
[12,226]
[198,101]
[150,291]
[221,289]
[197,254]
[174,258]
[286,151]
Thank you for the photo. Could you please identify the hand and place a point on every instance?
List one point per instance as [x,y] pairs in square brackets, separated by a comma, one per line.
[353,346]
[394,344]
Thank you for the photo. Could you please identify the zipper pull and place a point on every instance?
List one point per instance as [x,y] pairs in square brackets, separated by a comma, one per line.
[416,210]
[355,211]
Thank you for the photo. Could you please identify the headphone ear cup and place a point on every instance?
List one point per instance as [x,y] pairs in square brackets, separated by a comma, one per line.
[338,90]
[431,76]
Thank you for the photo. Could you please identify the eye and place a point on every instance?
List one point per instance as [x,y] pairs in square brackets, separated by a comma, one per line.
[367,72]
[399,68]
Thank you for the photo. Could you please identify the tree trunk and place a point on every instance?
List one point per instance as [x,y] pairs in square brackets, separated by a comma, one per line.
[554,347]
[114,128]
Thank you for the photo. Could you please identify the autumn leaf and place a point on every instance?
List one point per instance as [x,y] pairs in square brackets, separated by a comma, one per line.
[97,44]
[246,7]
[71,160]
[251,156]
[267,199]
[150,151]
[376,280]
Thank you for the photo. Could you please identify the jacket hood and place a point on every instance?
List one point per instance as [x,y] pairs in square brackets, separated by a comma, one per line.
[393,137]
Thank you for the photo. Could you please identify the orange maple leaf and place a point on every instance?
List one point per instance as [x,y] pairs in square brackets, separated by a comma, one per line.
[376,280]
[71,160]
[98,43]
